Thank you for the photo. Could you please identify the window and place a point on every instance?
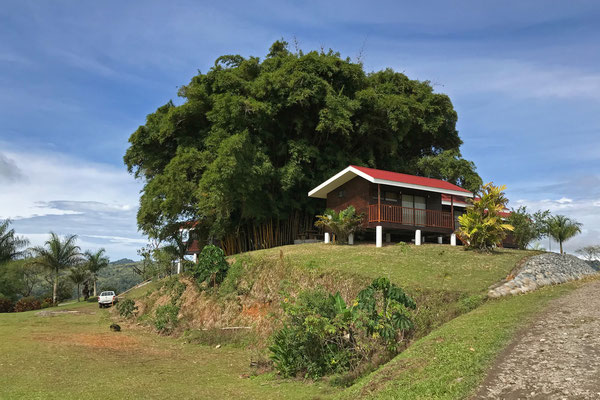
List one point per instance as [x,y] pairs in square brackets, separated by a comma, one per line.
[341,193]
[391,196]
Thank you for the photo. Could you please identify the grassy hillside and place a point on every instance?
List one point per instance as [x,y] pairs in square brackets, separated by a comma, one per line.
[425,267]
[59,356]
[445,281]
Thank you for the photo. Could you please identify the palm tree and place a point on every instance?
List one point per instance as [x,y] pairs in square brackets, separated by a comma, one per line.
[341,224]
[95,262]
[78,276]
[10,244]
[562,228]
[56,255]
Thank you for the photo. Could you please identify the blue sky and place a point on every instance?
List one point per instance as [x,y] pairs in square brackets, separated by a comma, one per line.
[78,77]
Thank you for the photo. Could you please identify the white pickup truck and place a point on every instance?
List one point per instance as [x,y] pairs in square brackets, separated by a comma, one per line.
[107,299]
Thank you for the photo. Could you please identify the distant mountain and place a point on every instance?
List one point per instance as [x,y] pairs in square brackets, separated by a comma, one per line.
[118,276]
[123,261]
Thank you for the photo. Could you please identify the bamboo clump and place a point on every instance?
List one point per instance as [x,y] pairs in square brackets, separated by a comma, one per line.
[267,234]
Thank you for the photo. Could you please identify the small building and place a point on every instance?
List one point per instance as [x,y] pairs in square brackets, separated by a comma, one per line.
[395,203]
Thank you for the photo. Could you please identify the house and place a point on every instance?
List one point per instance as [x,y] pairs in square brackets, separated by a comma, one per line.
[396,203]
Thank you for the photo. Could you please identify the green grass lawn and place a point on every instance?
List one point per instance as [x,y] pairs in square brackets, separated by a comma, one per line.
[426,267]
[76,356]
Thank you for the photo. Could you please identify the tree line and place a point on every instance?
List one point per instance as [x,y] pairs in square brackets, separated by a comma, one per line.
[56,265]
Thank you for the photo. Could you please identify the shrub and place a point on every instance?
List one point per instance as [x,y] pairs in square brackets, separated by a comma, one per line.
[165,318]
[314,341]
[45,304]
[27,304]
[482,227]
[127,308]
[323,335]
[212,266]
[386,308]
[230,284]
[92,299]
[6,305]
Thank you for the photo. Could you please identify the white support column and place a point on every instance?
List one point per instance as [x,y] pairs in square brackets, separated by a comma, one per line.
[453,240]
[418,237]
[440,240]
[351,238]
[178,266]
[195,258]
[327,237]
[388,237]
[378,236]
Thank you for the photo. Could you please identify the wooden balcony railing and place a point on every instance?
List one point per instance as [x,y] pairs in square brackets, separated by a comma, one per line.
[410,216]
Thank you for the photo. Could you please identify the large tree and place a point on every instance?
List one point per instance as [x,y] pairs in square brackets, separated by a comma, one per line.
[56,255]
[252,136]
[562,228]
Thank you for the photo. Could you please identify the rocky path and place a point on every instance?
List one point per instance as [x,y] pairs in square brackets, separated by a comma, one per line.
[558,357]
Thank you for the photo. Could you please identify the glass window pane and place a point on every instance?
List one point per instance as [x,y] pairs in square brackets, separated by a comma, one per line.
[391,196]
[420,202]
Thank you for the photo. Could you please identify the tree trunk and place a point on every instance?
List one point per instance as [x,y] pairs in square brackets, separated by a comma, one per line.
[561,249]
[78,292]
[95,287]
[55,289]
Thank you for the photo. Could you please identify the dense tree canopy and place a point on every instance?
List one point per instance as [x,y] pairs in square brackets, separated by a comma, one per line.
[253,136]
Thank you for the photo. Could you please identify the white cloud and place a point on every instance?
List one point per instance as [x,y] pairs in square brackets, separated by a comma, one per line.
[511,77]
[67,195]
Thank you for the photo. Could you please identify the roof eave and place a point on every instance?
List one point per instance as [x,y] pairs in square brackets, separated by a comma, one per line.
[350,172]
[343,176]
[422,187]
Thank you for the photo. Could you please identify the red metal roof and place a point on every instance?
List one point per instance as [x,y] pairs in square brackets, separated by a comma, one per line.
[409,179]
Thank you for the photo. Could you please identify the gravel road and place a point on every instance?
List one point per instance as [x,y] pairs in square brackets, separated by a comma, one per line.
[558,357]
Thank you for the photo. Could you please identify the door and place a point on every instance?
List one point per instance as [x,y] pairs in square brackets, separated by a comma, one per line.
[420,213]
[407,209]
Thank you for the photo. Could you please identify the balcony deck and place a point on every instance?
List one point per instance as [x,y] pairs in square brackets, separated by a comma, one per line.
[410,216]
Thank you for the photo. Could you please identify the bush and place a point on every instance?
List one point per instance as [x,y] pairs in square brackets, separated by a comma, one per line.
[45,304]
[27,304]
[6,305]
[313,341]
[165,318]
[322,335]
[127,308]
[92,299]
[482,227]
[212,266]
[230,284]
